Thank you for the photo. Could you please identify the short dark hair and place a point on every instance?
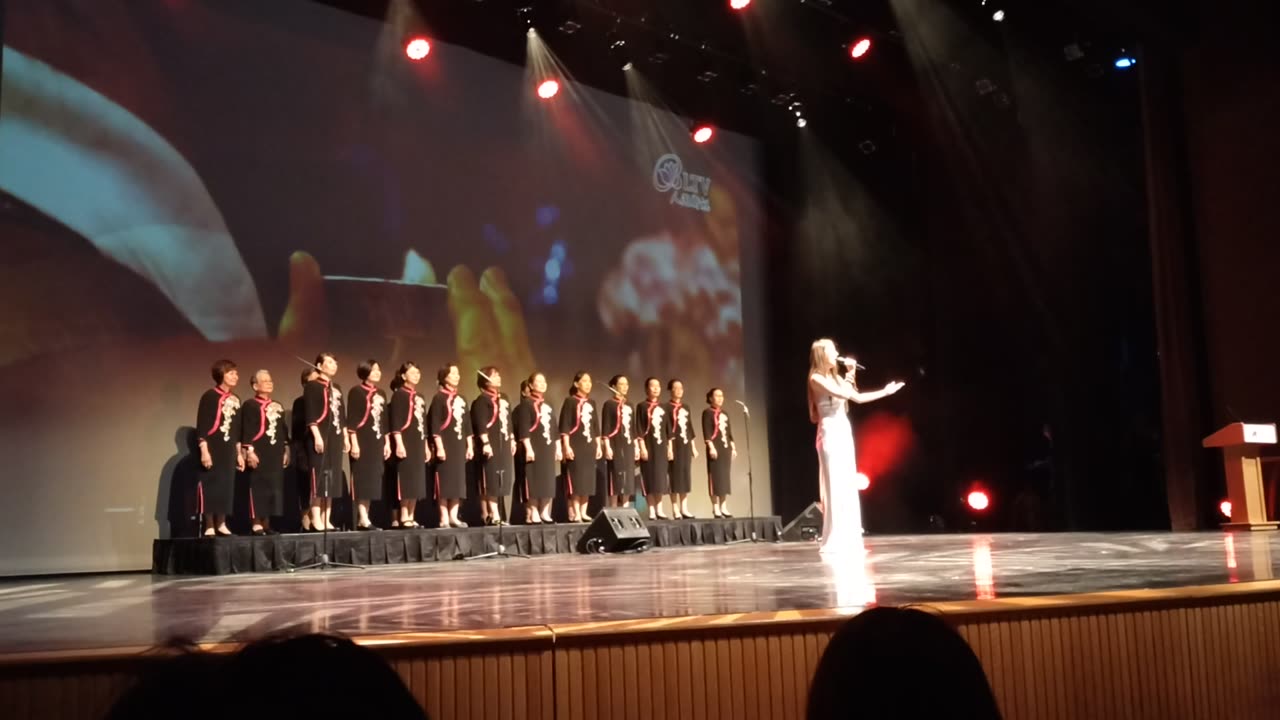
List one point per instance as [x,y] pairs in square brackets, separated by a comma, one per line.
[577,377]
[365,369]
[524,388]
[443,372]
[320,358]
[483,375]
[671,384]
[220,370]
[306,376]
[613,381]
[711,392]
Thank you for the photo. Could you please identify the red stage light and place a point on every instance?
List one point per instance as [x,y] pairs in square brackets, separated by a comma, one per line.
[860,48]
[547,89]
[864,482]
[739,4]
[977,500]
[702,133]
[417,48]
[1224,507]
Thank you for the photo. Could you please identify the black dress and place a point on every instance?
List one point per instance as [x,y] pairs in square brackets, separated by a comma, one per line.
[682,438]
[367,418]
[265,430]
[651,424]
[218,422]
[447,420]
[491,419]
[533,421]
[322,400]
[715,428]
[618,426]
[579,423]
[301,437]
[409,421]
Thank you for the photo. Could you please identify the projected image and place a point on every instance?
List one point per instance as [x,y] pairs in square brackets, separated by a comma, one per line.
[182,182]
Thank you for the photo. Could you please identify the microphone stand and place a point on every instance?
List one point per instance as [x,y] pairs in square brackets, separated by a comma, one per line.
[751,486]
[502,548]
[322,561]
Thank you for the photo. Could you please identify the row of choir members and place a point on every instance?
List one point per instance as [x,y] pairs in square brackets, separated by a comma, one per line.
[405,448]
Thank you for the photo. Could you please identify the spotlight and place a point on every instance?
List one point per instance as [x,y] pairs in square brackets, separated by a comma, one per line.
[1124,62]
[977,500]
[417,48]
[627,66]
[860,48]
[863,481]
[547,89]
[801,122]
[1224,507]
[702,133]
[739,4]
[998,16]
[532,33]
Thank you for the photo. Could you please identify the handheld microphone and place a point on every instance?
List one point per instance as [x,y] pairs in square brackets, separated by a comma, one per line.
[851,362]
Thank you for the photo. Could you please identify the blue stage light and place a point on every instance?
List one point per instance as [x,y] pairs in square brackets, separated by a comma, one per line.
[1124,62]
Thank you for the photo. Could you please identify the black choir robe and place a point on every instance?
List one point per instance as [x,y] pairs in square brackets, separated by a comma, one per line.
[537,476]
[619,429]
[491,419]
[447,420]
[579,423]
[651,424]
[322,400]
[409,421]
[367,420]
[265,430]
[218,424]
[682,439]
[717,431]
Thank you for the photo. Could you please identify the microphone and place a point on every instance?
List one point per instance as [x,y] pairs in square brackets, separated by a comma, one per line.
[745,409]
[851,362]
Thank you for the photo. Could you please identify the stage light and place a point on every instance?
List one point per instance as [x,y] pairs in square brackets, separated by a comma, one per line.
[977,500]
[739,4]
[1124,62]
[860,48]
[801,122]
[863,481]
[417,48]
[547,89]
[702,133]
[627,66]
[998,16]
[1224,507]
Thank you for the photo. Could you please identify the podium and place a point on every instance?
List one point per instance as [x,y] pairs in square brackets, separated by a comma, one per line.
[1240,444]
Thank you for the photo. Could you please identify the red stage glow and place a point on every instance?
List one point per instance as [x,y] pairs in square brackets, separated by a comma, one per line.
[1224,507]
[978,500]
[739,4]
[417,48]
[702,133]
[864,482]
[860,48]
[548,89]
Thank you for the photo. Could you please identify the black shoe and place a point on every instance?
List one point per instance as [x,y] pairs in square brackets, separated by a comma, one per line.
[259,533]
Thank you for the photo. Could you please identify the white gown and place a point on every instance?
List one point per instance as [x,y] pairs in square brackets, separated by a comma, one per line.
[838,483]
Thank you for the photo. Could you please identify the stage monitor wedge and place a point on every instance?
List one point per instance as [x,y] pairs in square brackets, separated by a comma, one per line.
[615,530]
[806,527]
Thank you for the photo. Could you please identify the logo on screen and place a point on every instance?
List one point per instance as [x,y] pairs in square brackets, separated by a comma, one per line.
[687,189]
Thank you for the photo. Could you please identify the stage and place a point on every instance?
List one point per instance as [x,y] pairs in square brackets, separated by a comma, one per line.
[1042,611]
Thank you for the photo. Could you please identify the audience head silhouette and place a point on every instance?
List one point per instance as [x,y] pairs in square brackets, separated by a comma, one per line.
[899,663]
[304,676]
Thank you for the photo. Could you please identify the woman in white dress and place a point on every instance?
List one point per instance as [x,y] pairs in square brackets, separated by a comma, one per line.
[829,396]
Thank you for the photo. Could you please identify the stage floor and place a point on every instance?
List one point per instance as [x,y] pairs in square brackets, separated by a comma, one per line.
[137,610]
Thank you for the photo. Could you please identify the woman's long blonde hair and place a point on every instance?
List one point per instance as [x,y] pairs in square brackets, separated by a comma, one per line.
[817,361]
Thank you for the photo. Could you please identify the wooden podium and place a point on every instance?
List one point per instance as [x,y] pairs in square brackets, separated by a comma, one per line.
[1239,443]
